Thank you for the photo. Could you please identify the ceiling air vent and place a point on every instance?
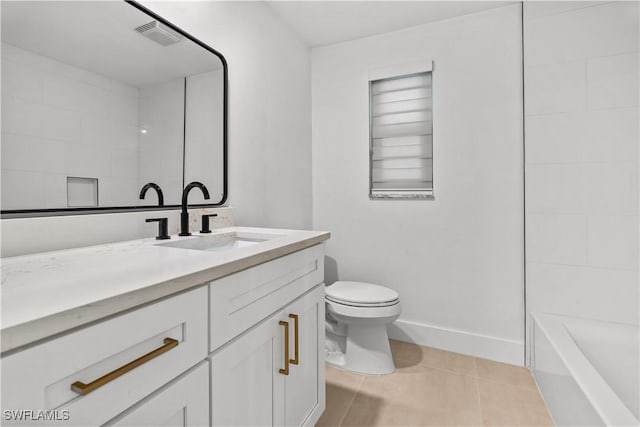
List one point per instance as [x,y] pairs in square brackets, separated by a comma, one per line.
[159,33]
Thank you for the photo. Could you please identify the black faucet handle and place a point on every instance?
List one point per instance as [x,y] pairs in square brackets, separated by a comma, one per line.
[205,223]
[162,227]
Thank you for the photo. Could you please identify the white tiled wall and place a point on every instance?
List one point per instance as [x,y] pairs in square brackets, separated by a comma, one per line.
[555,88]
[612,81]
[581,148]
[161,116]
[562,31]
[59,121]
[203,159]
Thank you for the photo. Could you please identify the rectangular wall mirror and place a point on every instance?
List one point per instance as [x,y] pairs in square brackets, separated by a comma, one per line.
[108,93]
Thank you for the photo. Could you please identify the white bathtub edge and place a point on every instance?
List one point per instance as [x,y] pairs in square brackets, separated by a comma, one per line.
[605,401]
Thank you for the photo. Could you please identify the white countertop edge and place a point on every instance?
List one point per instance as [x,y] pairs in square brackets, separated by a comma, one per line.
[19,335]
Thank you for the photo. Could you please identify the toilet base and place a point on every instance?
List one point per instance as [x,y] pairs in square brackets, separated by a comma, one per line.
[364,350]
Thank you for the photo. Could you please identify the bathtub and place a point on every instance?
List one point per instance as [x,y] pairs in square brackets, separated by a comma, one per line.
[588,371]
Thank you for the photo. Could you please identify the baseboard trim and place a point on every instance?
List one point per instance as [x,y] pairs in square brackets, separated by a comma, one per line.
[485,346]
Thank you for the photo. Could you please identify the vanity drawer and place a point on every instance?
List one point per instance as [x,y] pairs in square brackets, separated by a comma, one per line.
[183,402]
[39,378]
[241,300]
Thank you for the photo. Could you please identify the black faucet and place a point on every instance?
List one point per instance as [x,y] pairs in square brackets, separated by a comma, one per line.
[184,215]
[156,187]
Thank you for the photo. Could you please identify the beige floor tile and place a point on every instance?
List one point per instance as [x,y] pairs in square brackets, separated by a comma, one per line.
[346,379]
[507,405]
[341,387]
[415,396]
[504,373]
[406,354]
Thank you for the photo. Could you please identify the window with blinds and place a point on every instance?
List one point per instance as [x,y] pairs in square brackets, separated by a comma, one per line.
[401,136]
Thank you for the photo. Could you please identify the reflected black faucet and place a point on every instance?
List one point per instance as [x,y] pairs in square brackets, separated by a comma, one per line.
[184,215]
[156,187]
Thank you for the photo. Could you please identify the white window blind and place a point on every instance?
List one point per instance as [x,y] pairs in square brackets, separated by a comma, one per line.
[401,136]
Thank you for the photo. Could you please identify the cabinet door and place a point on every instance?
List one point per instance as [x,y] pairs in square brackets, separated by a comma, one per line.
[246,386]
[183,402]
[304,386]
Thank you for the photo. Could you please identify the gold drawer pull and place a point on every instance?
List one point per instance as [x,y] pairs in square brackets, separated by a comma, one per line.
[285,325]
[295,359]
[82,388]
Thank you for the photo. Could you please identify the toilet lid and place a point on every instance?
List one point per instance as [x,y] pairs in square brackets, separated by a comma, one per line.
[360,293]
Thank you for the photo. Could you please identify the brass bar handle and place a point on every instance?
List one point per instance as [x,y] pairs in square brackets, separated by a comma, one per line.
[295,359]
[84,389]
[284,324]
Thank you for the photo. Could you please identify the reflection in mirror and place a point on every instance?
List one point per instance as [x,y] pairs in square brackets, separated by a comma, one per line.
[91,113]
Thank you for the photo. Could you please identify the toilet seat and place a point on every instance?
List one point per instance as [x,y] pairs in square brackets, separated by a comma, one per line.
[355,304]
[377,313]
[360,294]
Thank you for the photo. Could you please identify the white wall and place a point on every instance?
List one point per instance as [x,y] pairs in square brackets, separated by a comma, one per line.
[269,107]
[457,261]
[582,120]
[59,121]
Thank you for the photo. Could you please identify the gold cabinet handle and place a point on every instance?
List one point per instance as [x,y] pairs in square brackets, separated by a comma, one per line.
[285,325]
[295,359]
[83,389]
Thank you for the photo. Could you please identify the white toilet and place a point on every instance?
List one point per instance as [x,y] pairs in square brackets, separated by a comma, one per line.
[357,315]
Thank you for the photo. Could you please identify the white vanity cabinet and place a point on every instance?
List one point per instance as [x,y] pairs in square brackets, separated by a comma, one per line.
[257,376]
[169,337]
[245,348]
[270,375]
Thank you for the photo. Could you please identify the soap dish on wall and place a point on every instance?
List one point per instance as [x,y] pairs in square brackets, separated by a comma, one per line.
[82,192]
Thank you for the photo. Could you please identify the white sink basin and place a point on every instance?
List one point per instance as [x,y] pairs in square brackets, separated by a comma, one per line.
[221,242]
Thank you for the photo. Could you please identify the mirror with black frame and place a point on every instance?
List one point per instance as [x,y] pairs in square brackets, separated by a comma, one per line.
[101,98]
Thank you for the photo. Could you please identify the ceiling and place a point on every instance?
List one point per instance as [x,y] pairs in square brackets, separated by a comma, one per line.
[70,32]
[99,36]
[320,23]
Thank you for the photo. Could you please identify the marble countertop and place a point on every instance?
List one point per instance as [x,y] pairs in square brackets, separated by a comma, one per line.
[48,293]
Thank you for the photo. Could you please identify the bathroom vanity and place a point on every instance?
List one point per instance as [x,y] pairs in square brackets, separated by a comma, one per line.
[218,329]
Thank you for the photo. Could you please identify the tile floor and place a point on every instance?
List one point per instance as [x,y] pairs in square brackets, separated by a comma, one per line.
[435,388]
